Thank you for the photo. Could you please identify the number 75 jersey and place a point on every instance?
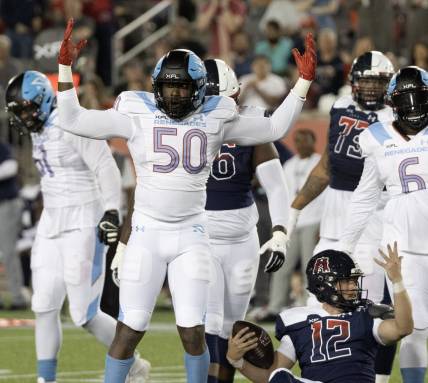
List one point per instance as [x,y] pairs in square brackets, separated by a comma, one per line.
[401,164]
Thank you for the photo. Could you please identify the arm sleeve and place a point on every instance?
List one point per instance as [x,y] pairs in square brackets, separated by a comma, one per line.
[363,202]
[271,178]
[375,331]
[98,124]
[97,156]
[247,130]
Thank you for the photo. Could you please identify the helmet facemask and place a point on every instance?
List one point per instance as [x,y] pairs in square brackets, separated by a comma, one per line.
[411,109]
[369,91]
[25,116]
[176,98]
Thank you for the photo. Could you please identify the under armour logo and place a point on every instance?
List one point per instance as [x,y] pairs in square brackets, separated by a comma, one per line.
[139,228]
[198,229]
[322,265]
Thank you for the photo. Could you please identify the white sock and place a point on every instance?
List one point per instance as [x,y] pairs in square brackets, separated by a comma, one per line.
[382,378]
[48,335]
[103,327]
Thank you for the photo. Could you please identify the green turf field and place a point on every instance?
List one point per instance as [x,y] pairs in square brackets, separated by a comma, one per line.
[82,358]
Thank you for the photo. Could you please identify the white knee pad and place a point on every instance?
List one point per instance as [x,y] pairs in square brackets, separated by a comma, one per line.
[413,350]
[243,277]
[138,320]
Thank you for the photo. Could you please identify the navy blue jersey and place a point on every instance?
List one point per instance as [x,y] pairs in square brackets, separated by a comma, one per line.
[331,348]
[229,184]
[347,121]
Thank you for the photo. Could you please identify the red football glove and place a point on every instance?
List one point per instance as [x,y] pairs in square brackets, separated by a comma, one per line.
[69,51]
[307,63]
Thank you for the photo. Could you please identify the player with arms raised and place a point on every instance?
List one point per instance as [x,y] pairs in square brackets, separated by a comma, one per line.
[173,136]
[338,341]
[396,156]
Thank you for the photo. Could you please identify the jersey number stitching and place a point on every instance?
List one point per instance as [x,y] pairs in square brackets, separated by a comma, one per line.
[406,179]
[349,123]
[159,147]
[321,353]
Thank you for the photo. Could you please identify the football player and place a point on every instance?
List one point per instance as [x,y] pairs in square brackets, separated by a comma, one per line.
[173,135]
[338,341]
[232,217]
[339,170]
[396,156]
[80,184]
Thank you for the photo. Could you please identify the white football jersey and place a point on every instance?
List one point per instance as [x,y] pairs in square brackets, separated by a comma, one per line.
[173,158]
[68,166]
[402,166]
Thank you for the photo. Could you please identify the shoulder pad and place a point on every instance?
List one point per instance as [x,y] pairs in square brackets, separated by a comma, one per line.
[343,102]
[135,102]
[298,314]
[219,107]
[372,137]
[254,111]
[381,311]
[385,115]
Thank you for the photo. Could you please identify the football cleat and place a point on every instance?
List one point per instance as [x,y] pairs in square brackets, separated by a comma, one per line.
[42,380]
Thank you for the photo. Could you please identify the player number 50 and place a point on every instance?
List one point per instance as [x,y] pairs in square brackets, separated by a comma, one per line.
[188,138]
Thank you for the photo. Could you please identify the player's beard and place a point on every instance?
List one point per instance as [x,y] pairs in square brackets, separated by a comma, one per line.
[177,107]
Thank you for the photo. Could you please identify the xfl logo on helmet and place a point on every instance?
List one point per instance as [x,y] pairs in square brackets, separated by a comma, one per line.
[171,75]
[322,265]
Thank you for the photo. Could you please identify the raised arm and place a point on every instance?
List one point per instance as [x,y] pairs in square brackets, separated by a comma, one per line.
[75,119]
[245,130]
[392,330]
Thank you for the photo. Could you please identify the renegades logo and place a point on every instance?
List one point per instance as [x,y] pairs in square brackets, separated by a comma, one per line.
[322,265]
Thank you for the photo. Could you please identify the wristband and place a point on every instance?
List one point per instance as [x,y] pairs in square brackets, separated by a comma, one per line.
[238,364]
[301,87]
[64,73]
[398,287]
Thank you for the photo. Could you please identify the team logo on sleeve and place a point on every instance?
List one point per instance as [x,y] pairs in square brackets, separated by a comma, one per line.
[322,265]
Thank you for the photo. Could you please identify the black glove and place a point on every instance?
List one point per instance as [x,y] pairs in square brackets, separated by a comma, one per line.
[108,228]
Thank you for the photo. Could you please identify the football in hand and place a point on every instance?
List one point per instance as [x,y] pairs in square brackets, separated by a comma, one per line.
[261,356]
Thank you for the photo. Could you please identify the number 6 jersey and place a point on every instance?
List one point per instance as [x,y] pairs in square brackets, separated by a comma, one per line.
[401,164]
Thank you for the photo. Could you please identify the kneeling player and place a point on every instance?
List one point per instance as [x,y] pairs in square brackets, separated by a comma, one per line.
[337,342]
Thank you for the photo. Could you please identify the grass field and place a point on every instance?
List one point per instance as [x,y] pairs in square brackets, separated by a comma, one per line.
[82,358]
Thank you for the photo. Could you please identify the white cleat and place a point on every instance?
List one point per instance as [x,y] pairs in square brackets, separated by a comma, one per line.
[140,370]
[42,380]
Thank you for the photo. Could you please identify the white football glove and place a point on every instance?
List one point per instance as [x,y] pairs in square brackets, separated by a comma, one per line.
[276,248]
[116,263]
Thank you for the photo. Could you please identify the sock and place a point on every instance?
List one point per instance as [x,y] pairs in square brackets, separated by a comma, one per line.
[382,378]
[117,369]
[225,366]
[196,367]
[48,334]
[211,341]
[413,375]
[46,369]
[103,327]
[384,360]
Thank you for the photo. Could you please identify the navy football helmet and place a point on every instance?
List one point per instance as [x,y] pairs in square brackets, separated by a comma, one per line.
[408,96]
[30,100]
[179,67]
[325,270]
[370,74]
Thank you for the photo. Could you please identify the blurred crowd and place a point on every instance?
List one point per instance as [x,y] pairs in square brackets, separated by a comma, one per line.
[254,36]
